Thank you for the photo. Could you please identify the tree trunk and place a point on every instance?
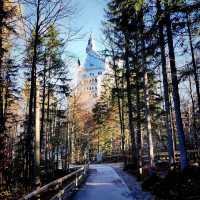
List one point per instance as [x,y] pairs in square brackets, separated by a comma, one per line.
[146,96]
[42,129]
[176,97]
[196,78]
[194,126]
[29,155]
[166,89]
[148,120]
[37,138]
[139,133]
[67,150]
[48,127]
[120,110]
[130,105]
[2,126]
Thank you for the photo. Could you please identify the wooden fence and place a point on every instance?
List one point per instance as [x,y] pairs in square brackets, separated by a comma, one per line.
[61,188]
[193,156]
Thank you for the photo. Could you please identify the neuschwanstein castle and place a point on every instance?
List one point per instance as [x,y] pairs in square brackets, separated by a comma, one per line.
[90,75]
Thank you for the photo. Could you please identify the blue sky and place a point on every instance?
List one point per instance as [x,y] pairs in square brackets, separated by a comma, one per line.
[88,17]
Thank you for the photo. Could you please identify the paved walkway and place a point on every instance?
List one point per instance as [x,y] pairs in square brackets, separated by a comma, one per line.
[103,183]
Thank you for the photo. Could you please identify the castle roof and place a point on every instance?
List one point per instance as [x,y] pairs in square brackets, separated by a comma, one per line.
[93,59]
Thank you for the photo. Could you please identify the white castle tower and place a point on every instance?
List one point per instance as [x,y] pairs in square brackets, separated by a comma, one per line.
[90,74]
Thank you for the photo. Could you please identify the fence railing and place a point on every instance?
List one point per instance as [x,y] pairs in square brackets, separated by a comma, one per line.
[61,188]
[193,155]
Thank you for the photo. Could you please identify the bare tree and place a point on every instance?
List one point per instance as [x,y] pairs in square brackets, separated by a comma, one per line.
[43,14]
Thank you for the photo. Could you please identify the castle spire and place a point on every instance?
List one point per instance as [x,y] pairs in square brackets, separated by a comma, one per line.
[79,62]
[90,44]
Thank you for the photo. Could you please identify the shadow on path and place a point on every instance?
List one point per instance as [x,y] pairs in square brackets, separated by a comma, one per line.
[107,182]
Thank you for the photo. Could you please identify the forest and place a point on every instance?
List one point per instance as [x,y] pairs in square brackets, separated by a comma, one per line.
[147,115]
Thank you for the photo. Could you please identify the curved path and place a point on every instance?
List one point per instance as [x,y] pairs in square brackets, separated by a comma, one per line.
[103,183]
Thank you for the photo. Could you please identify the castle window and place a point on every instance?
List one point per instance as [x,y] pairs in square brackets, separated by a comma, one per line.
[99,73]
